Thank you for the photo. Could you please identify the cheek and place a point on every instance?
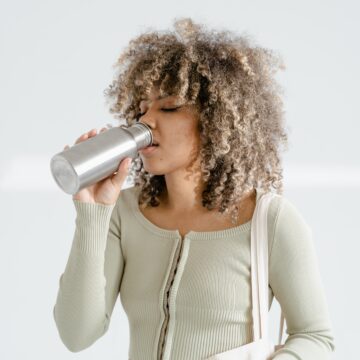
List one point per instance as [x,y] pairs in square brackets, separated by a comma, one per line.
[181,146]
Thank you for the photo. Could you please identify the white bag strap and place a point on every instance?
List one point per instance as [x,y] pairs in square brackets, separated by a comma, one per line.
[259,269]
[281,328]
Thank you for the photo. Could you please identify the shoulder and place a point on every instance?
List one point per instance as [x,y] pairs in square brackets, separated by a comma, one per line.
[123,208]
[128,194]
[127,199]
[289,230]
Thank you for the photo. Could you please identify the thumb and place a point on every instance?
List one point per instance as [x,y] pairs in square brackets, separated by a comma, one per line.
[122,172]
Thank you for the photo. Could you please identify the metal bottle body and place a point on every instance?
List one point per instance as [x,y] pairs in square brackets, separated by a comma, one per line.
[95,159]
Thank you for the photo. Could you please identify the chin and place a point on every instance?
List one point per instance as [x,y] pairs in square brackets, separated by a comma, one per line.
[152,168]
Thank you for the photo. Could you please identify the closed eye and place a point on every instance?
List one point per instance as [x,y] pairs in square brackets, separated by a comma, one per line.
[169,109]
[163,109]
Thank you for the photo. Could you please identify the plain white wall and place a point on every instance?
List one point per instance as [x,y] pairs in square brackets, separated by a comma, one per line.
[55,61]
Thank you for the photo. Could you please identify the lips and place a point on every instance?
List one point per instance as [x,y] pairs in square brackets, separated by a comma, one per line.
[148,150]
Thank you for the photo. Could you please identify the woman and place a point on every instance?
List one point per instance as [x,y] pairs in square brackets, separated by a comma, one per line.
[176,246]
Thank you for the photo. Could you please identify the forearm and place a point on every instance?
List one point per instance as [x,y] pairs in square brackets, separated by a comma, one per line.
[80,309]
[304,346]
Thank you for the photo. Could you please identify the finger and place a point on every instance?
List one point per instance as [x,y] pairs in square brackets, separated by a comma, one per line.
[81,138]
[119,177]
[85,136]
[66,147]
[103,129]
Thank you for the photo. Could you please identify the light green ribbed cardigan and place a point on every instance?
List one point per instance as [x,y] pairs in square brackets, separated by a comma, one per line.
[117,251]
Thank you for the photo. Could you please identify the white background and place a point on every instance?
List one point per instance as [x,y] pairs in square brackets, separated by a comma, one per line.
[55,61]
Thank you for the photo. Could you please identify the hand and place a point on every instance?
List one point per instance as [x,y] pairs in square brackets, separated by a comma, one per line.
[105,191]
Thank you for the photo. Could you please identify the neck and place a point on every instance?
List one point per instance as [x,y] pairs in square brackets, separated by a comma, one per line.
[183,194]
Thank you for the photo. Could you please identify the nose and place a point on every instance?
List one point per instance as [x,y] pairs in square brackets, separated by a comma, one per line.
[148,119]
[149,124]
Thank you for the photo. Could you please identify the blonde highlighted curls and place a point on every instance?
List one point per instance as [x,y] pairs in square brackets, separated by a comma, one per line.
[232,83]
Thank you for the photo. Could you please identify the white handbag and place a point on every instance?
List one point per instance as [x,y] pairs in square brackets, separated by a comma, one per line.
[262,347]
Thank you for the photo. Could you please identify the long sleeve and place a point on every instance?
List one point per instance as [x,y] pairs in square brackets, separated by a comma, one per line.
[89,286]
[295,280]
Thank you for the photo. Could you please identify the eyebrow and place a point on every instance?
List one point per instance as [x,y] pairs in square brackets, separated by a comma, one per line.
[159,98]
[162,97]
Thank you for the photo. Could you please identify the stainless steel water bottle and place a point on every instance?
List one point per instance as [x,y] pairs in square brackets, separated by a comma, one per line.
[96,158]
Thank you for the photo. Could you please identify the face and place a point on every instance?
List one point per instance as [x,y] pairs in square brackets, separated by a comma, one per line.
[174,128]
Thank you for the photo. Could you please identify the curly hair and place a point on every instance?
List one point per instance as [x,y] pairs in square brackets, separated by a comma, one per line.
[232,83]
